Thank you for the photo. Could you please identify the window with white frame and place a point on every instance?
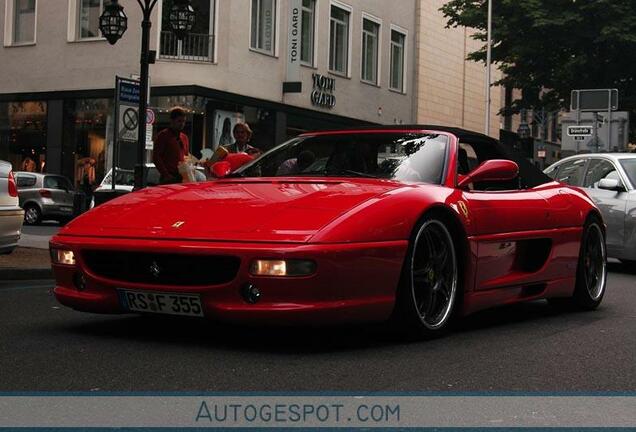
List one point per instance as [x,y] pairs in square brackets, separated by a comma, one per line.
[199,44]
[89,12]
[398,44]
[339,40]
[308,32]
[370,50]
[263,25]
[24,22]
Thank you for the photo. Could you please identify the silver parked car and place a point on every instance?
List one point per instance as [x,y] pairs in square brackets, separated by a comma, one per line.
[11,214]
[45,196]
[610,180]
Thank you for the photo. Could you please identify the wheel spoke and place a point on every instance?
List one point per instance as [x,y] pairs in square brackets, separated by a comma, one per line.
[430,307]
[442,258]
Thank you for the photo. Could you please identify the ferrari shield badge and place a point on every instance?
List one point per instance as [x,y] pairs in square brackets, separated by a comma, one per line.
[463,208]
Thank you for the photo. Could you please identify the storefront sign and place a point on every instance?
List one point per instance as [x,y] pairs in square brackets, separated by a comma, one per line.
[323,93]
[293,41]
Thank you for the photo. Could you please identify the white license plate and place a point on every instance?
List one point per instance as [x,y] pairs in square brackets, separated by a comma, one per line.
[161,303]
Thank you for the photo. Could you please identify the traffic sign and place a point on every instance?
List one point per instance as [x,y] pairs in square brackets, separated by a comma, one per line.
[574,131]
[128,91]
[129,123]
[151,117]
[579,138]
[594,100]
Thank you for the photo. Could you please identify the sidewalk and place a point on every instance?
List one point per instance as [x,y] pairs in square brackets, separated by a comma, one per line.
[26,264]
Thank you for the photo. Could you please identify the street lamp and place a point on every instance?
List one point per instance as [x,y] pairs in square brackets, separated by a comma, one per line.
[113,24]
[523,130]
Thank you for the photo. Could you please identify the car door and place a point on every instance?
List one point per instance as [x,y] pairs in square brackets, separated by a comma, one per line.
[504,222]
[611,203]
[62,194]
[26,184]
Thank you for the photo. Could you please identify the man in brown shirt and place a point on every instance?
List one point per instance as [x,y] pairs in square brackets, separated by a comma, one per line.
[171,147]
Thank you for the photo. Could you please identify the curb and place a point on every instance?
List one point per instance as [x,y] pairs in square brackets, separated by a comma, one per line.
[26,273]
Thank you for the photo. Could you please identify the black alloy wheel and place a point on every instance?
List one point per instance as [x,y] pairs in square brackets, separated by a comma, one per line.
[430,282]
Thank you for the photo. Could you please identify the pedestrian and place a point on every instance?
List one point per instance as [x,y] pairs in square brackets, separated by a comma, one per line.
[242,136]
[296,165]
[87,193]
[171,148]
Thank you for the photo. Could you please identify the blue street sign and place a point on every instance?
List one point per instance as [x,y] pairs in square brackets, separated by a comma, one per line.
[129,92]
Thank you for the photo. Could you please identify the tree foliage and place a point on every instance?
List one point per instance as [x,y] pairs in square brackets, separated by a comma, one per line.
[547,48]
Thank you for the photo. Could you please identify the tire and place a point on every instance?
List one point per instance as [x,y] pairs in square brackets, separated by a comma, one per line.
[591,271]
[32,215]
[429,286]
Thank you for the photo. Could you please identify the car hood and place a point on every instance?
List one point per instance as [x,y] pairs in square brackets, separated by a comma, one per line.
[229,210]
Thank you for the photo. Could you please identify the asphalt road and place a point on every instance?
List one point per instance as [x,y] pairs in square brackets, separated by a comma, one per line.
[38,236]
[530,347]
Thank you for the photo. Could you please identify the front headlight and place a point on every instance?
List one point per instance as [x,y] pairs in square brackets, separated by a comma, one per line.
[282,268]
[64,257]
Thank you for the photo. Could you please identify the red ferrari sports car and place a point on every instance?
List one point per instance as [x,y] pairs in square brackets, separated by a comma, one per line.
[415,224]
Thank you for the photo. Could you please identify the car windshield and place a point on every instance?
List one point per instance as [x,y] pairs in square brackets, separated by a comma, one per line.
[412,157]
[127,177]
[122,178]
[629,165]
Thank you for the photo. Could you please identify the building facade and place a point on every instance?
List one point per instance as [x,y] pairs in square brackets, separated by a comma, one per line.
[451,90]
[56,96]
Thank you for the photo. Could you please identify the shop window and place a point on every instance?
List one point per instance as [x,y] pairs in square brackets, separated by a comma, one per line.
[23,135]
[84,153]
[398,60]
[263,28]
[339,40]
[370,50]
[308,32]
[24,18]
[198,44]
[89,13]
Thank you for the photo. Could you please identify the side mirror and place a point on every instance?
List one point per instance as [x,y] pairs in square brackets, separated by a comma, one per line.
[221,169]
[491,170]
[611,185]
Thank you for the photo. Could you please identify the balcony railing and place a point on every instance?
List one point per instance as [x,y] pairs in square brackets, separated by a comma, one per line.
[194,47]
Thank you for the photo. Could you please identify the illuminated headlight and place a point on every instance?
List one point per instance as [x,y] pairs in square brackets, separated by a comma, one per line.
[282,268]
[64,257]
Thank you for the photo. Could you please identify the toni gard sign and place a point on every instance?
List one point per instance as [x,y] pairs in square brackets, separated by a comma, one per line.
[323,91]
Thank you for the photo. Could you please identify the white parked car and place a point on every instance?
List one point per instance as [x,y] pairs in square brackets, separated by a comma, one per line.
[125,179]
[11,215]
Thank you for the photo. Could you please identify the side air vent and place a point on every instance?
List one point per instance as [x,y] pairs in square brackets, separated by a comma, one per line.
[532,254]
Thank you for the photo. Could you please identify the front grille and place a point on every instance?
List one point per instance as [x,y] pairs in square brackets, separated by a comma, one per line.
[162,269]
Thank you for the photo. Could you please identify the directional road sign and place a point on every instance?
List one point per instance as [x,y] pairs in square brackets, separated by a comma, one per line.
[574,131]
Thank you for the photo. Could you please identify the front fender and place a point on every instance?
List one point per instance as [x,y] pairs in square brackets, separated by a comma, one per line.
[388,217]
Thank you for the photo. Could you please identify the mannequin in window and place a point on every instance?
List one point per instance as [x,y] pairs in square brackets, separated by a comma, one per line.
[28,165]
